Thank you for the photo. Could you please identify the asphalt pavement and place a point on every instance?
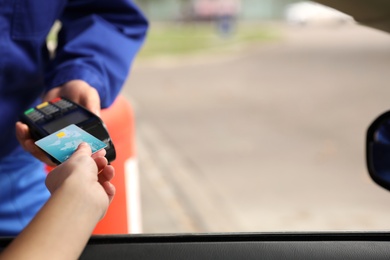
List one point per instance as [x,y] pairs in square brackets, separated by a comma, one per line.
[268,137]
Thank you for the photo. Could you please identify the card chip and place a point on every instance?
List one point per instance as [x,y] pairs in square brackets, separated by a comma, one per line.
[61,134]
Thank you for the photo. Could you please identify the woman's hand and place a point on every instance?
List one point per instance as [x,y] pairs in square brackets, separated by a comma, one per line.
[85,173]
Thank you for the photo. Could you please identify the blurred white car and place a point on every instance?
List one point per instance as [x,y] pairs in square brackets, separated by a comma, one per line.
[307,12]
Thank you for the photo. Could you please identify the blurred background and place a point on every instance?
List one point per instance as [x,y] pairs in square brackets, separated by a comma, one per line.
[251,116]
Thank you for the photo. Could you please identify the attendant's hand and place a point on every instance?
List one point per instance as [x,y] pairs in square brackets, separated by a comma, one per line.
[28,144]
[79,92]
[76,90]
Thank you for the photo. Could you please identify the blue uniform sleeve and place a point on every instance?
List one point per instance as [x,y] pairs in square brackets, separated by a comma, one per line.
[97,43]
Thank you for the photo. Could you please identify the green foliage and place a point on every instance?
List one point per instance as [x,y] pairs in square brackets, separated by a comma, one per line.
[192,38]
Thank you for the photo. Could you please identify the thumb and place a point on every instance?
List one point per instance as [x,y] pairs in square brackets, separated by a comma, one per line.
[83,149]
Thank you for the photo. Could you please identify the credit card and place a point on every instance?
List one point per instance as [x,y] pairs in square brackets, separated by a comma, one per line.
[62,144]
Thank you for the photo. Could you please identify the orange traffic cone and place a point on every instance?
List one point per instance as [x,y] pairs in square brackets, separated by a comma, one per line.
[124,213]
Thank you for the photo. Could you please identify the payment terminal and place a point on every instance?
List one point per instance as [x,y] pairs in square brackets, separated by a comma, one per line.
[51,116]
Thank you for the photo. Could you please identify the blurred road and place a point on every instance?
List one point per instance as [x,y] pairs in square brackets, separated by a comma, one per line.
[267,138]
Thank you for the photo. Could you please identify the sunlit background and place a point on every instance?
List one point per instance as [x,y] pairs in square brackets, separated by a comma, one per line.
[251,116]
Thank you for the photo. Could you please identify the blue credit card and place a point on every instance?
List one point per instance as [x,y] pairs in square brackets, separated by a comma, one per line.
[62,144]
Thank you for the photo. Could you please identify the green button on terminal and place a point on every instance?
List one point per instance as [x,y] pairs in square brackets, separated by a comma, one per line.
[29,111]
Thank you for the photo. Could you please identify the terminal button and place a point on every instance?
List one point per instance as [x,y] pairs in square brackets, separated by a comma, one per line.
[49,110]
[34,115]
[64,104]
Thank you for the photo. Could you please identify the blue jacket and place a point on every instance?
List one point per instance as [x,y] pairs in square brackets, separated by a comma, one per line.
[97,43]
